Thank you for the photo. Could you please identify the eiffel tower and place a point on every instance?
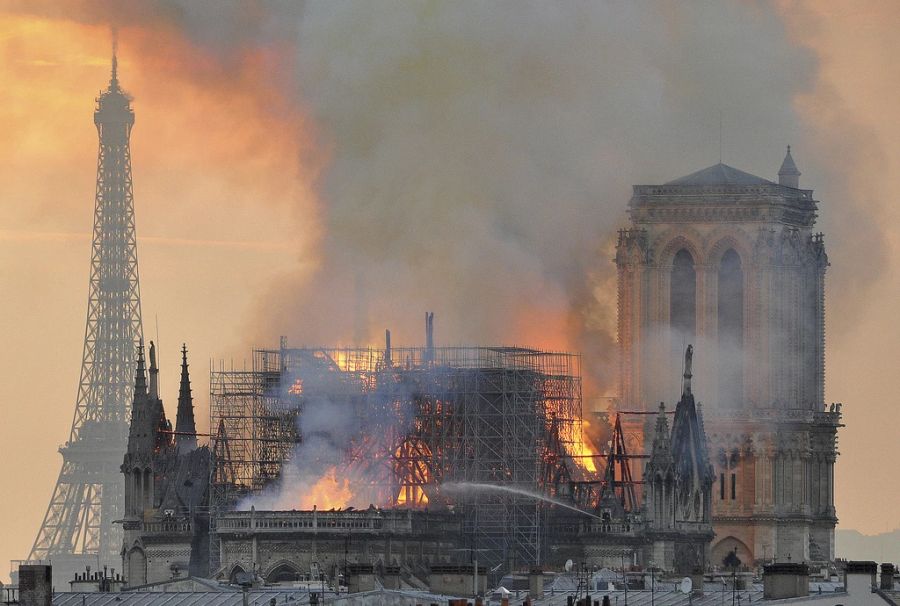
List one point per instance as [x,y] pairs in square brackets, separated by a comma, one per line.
[78,527]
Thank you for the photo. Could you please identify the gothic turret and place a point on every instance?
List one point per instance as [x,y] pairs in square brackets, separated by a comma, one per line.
[141,433]
[788,174]
[659,476]
[661,452]
[149,429]
[140,375]
[166,478]
[138,430]
[693,472]
[185,428]
[678,483]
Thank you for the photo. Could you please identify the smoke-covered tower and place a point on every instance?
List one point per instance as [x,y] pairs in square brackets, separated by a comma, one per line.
[78,527]
[729,262]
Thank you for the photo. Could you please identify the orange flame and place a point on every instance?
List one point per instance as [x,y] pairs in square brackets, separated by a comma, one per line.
[412,495]
[328,492]
[582,451]
[342,360]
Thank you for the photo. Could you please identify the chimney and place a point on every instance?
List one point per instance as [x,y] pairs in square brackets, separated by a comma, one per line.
[785,580]
[392,576]
[788,175]
[697,582]
[859,577]
[887,576]
[387,349]
[35,585]
[360,577]
[429,336]
[535,584]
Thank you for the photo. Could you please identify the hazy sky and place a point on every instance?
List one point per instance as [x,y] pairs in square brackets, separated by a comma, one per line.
[326,170]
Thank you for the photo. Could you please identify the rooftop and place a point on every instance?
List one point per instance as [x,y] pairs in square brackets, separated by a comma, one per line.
[720,174]
[282,596]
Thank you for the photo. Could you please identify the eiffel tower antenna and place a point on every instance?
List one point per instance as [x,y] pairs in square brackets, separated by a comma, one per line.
[114,79]
[78,526]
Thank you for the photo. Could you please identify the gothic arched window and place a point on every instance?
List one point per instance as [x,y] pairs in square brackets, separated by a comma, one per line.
[284,573]
[731,329]
[683,300]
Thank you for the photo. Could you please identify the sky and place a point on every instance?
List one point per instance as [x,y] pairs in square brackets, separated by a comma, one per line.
[325,170]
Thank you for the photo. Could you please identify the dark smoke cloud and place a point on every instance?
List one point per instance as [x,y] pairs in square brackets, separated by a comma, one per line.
[478,156]
[482,154]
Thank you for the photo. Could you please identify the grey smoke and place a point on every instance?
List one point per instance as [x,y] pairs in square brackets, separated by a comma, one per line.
[479,155]
[332,425]
[482,154]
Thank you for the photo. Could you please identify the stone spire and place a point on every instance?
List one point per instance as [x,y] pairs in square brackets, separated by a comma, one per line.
[690,455]
[661,449]
[142,429]
[688,373]
[140,375]
[788,175]
[154,374]
[659,475]
[185,428]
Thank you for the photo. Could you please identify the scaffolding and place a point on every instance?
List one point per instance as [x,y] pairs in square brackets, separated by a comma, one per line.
[423,425]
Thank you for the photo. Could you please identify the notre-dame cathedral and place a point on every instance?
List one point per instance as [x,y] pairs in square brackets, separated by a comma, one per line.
[730,262]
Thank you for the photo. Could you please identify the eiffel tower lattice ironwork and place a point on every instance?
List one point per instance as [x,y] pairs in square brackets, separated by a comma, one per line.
[88,497]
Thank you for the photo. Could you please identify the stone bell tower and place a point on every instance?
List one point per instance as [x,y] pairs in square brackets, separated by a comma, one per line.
[729,262]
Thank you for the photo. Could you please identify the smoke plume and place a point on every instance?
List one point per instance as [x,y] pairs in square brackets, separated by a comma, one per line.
[481,156]
[475,158]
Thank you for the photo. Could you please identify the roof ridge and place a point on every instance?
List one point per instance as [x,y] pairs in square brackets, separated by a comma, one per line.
[719,174]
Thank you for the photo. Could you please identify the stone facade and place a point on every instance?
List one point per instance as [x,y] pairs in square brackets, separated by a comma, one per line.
[166,486]
[730,262]
[283,546]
